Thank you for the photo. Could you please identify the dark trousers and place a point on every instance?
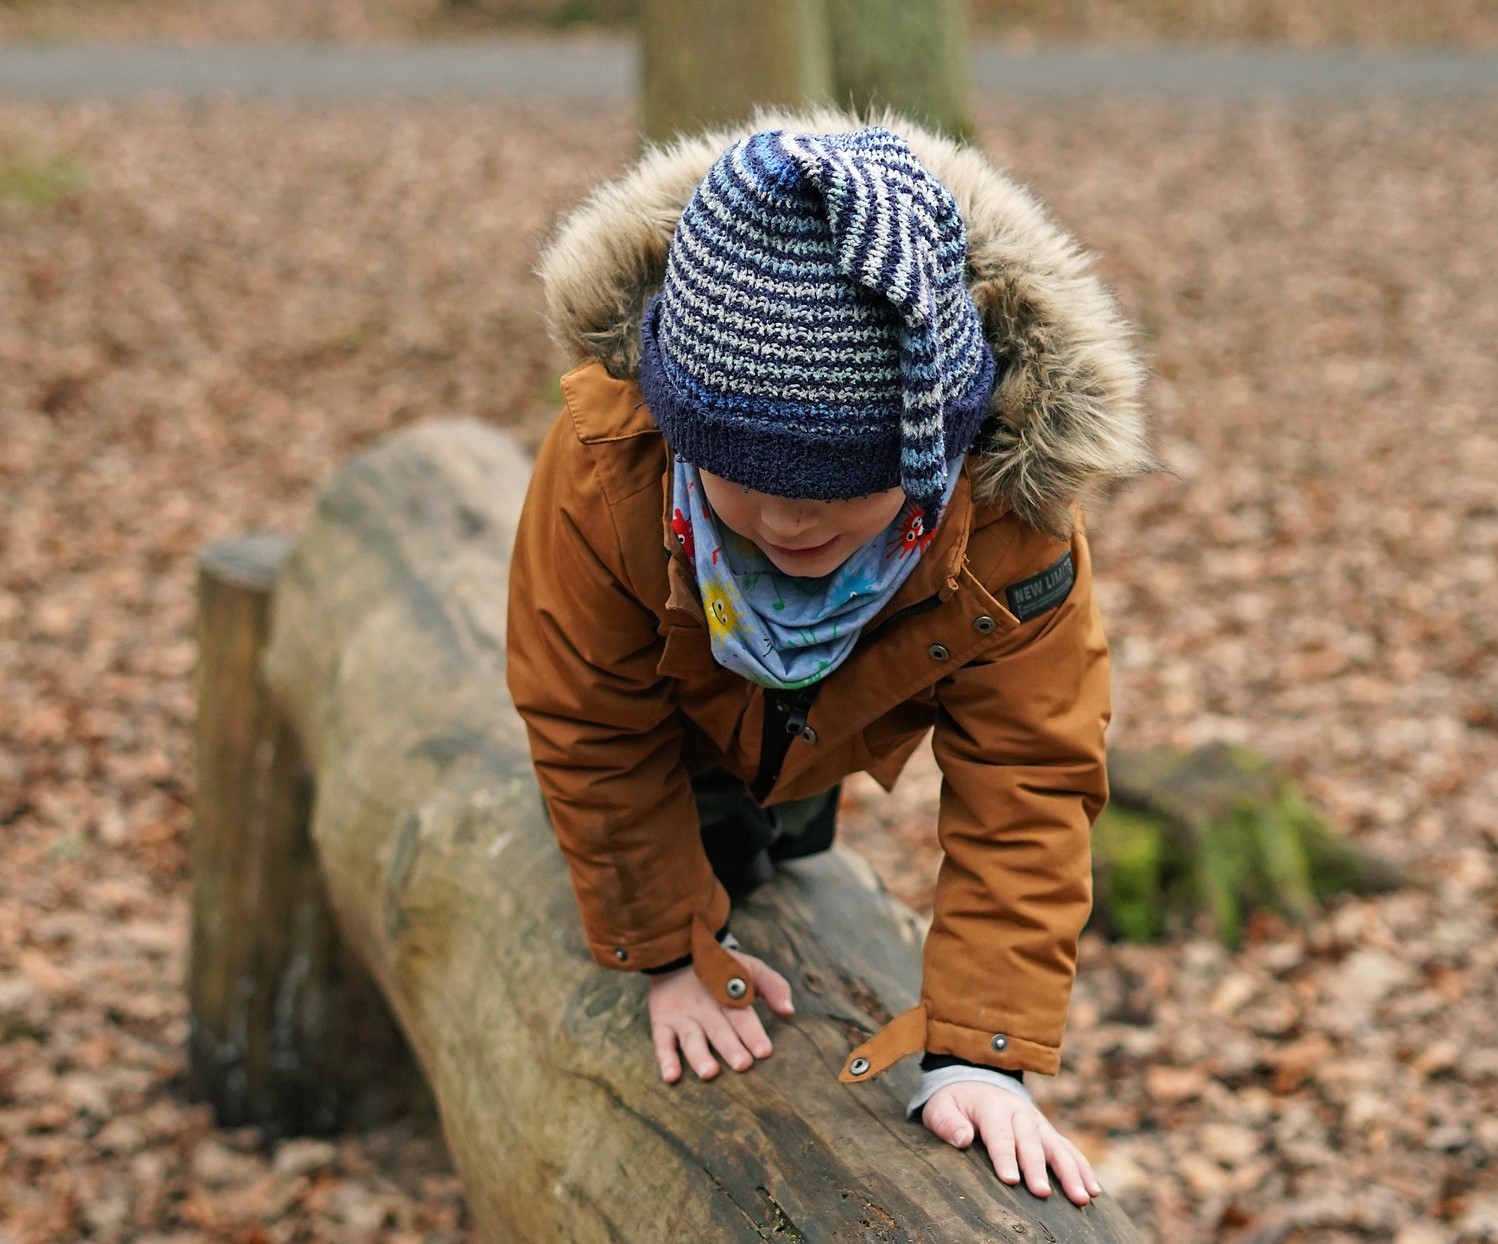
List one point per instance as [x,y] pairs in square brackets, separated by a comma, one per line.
[744,841]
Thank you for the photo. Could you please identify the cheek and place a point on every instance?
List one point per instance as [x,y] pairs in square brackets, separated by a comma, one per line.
[876,518]
[736,517]
[728,502]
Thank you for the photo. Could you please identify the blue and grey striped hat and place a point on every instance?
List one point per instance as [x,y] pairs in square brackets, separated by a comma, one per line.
[814,335]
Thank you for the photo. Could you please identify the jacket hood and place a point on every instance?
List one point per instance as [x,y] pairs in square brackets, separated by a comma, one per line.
[1067,414]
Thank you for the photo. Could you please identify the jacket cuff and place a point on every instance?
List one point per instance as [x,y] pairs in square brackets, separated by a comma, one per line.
[903,1035]
[1001,1050]
[912,1032]
[940,1062]
[653,952]
[725,938]
[723,975]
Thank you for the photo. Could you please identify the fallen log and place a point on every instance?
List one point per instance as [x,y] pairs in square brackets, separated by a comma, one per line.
[386,656]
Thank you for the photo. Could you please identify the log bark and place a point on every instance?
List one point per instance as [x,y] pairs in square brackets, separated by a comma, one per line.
[287,1030]
[387,653]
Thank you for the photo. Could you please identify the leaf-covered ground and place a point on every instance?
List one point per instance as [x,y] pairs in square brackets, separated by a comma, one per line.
[205,308]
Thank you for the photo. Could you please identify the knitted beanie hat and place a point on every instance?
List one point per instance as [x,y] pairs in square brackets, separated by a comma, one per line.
[814,335]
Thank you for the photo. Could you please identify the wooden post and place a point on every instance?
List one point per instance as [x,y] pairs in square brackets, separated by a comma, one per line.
[287,1031]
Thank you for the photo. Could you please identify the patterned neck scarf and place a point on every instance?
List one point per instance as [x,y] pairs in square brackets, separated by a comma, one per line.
[780,630]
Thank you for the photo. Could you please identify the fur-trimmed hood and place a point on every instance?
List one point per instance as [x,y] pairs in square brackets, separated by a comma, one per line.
[1067,396]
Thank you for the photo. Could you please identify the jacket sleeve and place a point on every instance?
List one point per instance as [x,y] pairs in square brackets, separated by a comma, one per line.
[1019,739]
[582,651]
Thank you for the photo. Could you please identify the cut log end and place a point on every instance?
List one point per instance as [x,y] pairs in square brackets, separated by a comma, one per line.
[251,562]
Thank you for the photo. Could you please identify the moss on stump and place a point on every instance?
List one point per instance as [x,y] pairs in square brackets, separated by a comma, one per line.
[1208,836]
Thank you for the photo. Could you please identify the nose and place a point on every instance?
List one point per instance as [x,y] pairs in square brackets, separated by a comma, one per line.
[783,519]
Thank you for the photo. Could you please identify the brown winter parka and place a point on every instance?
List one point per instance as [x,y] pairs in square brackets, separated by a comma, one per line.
[994,642]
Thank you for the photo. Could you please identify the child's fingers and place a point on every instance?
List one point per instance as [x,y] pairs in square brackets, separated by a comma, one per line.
[771,986]
[1030,1151]
[694,1047]
[945,1117]
[751,1032]
[998,1139]
[1064,1161]
[726,1041]
[664,1040]
[1089,1176]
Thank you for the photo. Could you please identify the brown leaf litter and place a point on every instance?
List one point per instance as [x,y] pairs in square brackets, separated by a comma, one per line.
[209,306]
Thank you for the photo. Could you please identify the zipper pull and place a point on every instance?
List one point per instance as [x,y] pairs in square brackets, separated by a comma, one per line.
[799,707]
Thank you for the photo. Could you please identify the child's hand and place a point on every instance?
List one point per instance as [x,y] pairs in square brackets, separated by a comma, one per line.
[682,1010]
[1012,1129]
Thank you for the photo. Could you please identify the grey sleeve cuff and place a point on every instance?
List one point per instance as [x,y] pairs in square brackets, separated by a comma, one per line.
[933,1080]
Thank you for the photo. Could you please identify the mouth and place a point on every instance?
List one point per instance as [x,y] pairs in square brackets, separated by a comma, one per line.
[810,550]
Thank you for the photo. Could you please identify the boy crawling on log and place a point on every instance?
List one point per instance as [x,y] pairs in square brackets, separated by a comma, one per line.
[815,491]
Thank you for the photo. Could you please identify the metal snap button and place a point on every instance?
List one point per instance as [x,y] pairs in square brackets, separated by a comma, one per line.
[808,735]
[736,987]
[938,652]
[983,624]
[858,1066]
[999,1044]
[620,953]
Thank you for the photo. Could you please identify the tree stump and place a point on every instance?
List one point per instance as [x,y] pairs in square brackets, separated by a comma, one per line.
[1211,835]
[387,655]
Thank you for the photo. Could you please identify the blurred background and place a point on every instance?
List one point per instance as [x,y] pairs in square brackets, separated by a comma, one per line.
[1018,22]
[209,298]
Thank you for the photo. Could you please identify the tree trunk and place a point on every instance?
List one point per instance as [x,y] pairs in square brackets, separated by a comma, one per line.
[710,63]
[387,654]
[909,54]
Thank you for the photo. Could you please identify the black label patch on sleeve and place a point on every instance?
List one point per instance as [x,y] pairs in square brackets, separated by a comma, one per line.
[1029,598]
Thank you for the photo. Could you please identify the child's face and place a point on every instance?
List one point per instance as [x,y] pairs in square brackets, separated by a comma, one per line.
[802,538]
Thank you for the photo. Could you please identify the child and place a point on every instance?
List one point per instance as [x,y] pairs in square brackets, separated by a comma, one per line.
[815,491]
